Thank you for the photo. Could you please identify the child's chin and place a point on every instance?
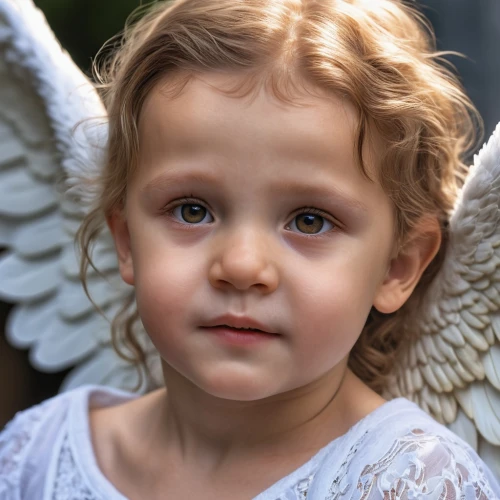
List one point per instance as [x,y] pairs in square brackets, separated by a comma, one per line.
[239,388]
[241,395]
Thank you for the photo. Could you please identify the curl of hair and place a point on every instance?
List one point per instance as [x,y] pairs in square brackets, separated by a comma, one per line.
[378,54]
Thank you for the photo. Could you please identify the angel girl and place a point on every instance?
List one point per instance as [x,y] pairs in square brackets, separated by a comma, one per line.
[280,180]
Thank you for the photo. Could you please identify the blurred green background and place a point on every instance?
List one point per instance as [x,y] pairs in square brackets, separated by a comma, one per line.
[82,26]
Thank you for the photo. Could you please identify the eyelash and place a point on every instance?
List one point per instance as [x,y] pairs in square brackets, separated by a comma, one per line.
[169,209]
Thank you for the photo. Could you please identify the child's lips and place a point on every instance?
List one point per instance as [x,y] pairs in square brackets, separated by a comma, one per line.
[242,324]
[239,336]
[240,330]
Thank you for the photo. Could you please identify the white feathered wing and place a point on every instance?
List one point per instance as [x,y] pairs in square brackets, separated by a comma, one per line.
[453,370]
[52,134]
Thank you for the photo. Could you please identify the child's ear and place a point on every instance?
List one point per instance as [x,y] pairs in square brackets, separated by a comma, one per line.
[118,226]
[407,267]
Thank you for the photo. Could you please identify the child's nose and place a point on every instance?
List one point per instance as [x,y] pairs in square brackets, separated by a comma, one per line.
[244,261]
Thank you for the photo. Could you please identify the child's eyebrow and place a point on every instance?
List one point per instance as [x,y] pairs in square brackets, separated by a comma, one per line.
[320,192]
[167,179]
[281,187]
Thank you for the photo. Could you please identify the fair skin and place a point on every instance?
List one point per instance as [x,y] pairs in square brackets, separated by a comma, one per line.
[218,221]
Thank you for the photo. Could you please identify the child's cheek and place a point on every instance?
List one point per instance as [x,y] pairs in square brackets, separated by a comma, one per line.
[330,306]
[168,279]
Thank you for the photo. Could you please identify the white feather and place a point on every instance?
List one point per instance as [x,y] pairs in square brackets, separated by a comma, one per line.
[464,427]
[486,404]
[491,362]
[103,369]
[26,281]
[23,324]
[40,236]
[489,453]
[21,197]
[470,360]
[453,377]
[8,228]
[62,345]
[443,380]
[495,325]
[464,398]
[449,407]
[474,334]
[12,151]
[453,335]
[74,303]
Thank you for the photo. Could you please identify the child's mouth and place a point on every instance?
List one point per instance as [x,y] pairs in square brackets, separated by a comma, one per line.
[240,335]
[245,329]
[242,329]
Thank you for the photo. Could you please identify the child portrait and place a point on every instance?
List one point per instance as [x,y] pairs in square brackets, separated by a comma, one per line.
[265,208]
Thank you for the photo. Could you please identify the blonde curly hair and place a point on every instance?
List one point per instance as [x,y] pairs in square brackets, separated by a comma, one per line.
[379,54]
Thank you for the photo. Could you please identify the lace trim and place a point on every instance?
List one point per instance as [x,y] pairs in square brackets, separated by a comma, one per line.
[418,466]
[14,443]
[69,483]
[302,487]
[299,490]
[341,484]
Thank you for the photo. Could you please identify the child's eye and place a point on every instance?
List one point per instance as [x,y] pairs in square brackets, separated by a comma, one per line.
[192,213]
[310,223]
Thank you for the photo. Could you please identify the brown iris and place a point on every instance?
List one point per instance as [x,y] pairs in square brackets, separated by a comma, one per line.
[193,214]
[309,224]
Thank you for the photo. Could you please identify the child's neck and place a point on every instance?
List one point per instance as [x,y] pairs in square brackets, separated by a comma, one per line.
[194,435]
[197,424]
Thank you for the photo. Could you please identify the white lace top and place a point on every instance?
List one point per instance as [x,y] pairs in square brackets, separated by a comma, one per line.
[396,452]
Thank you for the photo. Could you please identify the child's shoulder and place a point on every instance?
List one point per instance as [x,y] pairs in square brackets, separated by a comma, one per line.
[401,451]
[29,442]
[18,440]
[20,431]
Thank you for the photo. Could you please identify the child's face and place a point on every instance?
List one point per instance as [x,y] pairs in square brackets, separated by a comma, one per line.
[252,208]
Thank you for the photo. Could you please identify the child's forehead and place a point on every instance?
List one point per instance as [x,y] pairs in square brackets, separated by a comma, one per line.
[303,118]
